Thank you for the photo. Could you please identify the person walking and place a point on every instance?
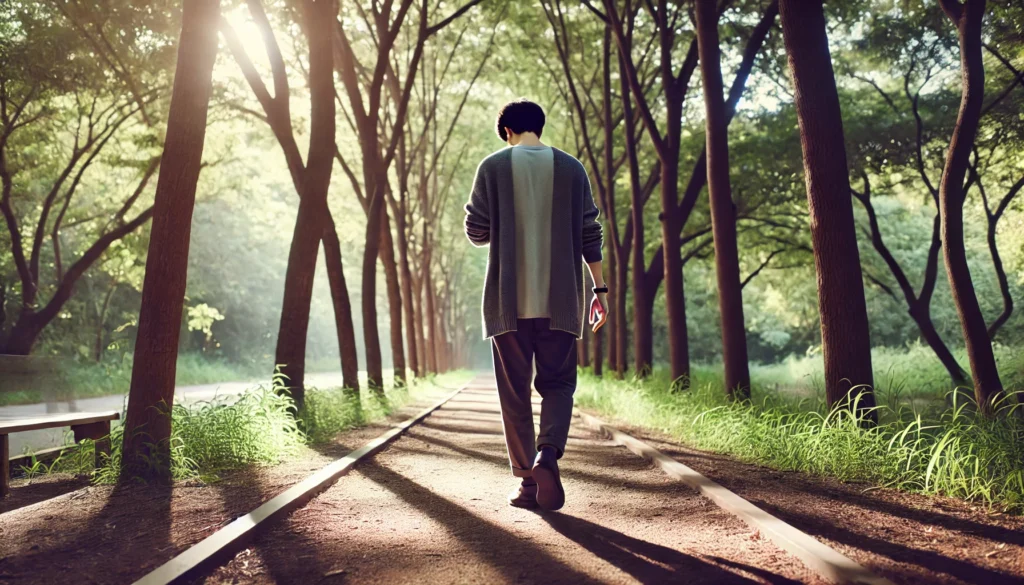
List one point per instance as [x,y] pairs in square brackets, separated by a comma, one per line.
[532,205]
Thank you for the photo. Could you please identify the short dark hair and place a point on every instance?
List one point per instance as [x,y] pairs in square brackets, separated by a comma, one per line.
[520,116]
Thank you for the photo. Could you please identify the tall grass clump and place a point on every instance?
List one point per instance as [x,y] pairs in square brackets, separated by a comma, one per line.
[255,427]
[958,453]
[330,411]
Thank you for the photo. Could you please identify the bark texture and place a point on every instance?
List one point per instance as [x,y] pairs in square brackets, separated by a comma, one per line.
[146,450]
[967,18]
[845,339]
[723,212]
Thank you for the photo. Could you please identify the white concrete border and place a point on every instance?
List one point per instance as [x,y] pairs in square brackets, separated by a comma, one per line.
[226,542]
[822,559]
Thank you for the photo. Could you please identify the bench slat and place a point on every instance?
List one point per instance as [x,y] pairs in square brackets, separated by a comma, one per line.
[60,420]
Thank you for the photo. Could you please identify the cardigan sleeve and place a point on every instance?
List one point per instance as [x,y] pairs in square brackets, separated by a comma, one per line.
[592,232]
[478,218]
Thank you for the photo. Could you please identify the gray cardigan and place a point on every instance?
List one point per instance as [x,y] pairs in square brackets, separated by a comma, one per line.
[575,237]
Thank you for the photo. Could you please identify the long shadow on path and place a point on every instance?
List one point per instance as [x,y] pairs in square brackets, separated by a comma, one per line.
[498,547]
[515,555]
[502,462]
[645,561]
[931,560]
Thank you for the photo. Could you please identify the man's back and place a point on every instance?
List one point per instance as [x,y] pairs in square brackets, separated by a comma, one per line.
[532,184]
[532,206]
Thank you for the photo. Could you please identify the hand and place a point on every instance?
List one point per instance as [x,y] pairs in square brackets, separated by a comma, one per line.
[598,311]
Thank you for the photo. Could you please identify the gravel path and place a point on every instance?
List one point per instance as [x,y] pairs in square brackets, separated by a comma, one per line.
[431,508]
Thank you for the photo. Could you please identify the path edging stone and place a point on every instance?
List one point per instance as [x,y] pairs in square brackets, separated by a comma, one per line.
[819,557]
[226,542]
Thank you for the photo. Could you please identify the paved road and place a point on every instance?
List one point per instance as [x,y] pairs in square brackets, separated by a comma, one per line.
[42,439]
[431,509]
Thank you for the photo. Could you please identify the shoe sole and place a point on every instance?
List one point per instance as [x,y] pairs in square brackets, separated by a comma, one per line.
[550,495]
[523,505]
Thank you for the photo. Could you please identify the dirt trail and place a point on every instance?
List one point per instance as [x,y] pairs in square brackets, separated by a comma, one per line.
[431,509]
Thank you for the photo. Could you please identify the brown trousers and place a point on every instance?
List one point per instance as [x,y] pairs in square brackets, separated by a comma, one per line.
[514,355]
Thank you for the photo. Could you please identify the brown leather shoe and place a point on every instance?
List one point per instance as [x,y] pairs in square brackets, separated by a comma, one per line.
[524,497]
[550,495]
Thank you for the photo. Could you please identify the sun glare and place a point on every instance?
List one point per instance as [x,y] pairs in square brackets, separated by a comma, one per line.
[248,33]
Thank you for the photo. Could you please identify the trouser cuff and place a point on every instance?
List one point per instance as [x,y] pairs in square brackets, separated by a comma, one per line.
[516,471]
[560,449]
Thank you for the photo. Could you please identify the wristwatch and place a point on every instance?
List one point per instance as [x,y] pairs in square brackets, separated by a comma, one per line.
[600,289]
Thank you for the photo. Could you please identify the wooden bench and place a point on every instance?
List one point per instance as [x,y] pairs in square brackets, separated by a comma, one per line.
[85,425]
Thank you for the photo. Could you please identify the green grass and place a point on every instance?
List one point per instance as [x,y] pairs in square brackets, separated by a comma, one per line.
[911,375]
[955,454]
[329,411]
[253,428]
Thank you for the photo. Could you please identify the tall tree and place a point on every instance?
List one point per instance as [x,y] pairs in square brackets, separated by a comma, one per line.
[666,141]
[723,211]
[422,142]
[72,101]
[309,181]
[599,148]
[845,340]
[876,155]
[147,426]
[364,87]
[967,18]
[645,281]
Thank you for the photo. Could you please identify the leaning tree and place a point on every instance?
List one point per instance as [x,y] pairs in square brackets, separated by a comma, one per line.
[314,223]
[49,198]
[967,18]
[147,426]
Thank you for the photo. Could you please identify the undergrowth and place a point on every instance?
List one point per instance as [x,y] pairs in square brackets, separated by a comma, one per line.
[256,427]
[956,453]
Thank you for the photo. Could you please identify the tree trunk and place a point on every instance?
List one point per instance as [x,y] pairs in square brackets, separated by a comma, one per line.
[314,215]
[922,316]
[1004,284]
[417,307]
[342,313]
[387,258]
[407,296]
[26,330]
[583,349]
[101,323]
[643,319]
[618,261]
[613,301]
[437,339]
[371,336]
[845,338]
[723,212]
[444,356]
[621,333]
[643,312]
[290,355]
[675,295]
[967,18]
[147,426]
[430,336]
